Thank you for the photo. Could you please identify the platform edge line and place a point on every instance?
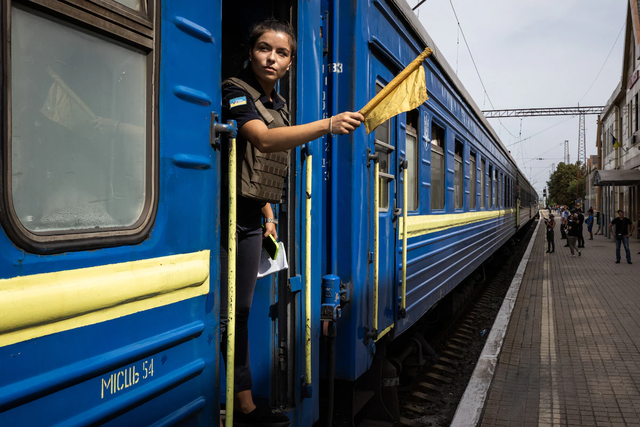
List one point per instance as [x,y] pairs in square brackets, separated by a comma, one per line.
[471,405]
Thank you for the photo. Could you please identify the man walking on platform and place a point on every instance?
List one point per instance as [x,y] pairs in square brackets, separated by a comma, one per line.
[580,227]
[622,234]
[564,216]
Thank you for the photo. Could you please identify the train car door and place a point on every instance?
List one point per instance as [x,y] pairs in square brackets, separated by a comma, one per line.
[109,239]
[385,146]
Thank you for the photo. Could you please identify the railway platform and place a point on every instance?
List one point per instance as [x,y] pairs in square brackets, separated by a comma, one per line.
[565,347]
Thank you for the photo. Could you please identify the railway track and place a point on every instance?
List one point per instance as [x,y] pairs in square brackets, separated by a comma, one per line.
[429,395]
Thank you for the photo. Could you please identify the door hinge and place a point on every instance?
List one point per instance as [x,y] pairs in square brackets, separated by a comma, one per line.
[273,311]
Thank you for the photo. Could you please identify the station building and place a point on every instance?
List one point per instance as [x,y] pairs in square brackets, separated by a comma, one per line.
[617,177]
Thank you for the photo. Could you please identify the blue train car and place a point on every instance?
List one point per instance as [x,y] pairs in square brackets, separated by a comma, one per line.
[109,266]
[462,186]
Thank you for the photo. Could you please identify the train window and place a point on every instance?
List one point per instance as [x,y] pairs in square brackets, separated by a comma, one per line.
[437,166]
[383,148]
[458,179]
[504,190]
[483,185]
[496,188]
[472,181]
[133,4]
[80,145]
[490,205]
[413,159]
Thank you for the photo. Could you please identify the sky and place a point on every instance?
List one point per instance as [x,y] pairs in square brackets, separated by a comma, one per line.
[533,54]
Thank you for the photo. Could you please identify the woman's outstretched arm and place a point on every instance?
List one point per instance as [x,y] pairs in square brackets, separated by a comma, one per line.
[284,138]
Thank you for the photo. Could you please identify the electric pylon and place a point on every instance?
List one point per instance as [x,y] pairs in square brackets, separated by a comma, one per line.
[567,160]
[582,142]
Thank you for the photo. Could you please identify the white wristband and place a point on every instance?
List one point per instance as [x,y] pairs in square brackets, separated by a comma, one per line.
[331,125]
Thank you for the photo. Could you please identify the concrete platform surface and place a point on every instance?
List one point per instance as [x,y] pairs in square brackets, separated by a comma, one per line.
[571,351]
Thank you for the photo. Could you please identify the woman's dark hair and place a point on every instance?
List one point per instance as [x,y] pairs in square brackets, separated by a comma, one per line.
[272,24]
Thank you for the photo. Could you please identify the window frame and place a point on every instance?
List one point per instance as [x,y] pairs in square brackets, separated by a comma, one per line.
[483,183]
[442,151]
[492,171]
[410,130]
[113,22]
[458,160]
[388,147]
[473,180]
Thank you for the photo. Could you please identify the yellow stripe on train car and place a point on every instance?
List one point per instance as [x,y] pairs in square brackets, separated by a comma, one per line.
[43,304]
[424,224]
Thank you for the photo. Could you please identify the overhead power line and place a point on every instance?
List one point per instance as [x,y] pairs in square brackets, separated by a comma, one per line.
[605,63]
[474,64]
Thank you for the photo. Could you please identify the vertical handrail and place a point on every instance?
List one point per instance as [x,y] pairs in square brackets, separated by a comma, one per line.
[403,303]
[307,272]
[231,284]
[376,243]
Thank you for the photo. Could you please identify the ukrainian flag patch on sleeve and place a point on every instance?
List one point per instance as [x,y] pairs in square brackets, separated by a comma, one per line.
[236,102]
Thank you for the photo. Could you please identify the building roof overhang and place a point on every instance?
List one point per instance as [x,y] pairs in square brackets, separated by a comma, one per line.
[617,177]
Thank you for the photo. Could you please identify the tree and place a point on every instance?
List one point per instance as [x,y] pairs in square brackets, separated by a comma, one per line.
[562,184]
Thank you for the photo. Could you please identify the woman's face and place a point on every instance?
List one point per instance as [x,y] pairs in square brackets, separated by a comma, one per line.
[271,56]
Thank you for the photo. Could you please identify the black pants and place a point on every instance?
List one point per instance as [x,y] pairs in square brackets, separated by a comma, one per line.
[551,245]
[562,232]
[580,238]
[249,245]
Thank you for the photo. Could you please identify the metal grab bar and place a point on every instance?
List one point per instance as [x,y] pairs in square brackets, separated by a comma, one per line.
[403,302]
[231,282]
[376,243]
[307,273]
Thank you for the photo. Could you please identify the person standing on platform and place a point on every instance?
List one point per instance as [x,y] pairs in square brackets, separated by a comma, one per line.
[598,223]
[580,228]
[624,228]
[550,223]
[589,223]
[564,215]
[573,232]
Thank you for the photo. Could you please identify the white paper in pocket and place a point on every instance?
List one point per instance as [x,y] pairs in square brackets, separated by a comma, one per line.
[269,266]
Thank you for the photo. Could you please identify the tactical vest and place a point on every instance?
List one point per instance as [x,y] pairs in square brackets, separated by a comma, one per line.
[261,175]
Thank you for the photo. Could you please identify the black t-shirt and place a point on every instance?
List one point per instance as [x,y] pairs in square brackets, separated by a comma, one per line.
[238,105]
[622,225]
[574,228]
[580,220]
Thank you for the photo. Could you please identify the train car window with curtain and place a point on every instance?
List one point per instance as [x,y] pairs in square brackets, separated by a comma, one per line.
[413,160]
[504,190]
[499,190]
[490,205]
[472,181]
[458,178]
[483,185]
[496,188]
[437,166]
[80,127]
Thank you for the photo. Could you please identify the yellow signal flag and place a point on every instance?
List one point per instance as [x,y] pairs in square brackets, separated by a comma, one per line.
[407,91]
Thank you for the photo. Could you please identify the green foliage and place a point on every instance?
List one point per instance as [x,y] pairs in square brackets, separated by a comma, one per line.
[562,184]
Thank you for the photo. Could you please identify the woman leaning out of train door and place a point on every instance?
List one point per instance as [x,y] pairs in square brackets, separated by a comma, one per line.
[264,136]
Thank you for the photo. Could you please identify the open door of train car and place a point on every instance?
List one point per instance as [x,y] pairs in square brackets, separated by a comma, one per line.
[109,267]
[285,372]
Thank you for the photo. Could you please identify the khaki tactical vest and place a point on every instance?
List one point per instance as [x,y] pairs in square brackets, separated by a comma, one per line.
[261,176]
